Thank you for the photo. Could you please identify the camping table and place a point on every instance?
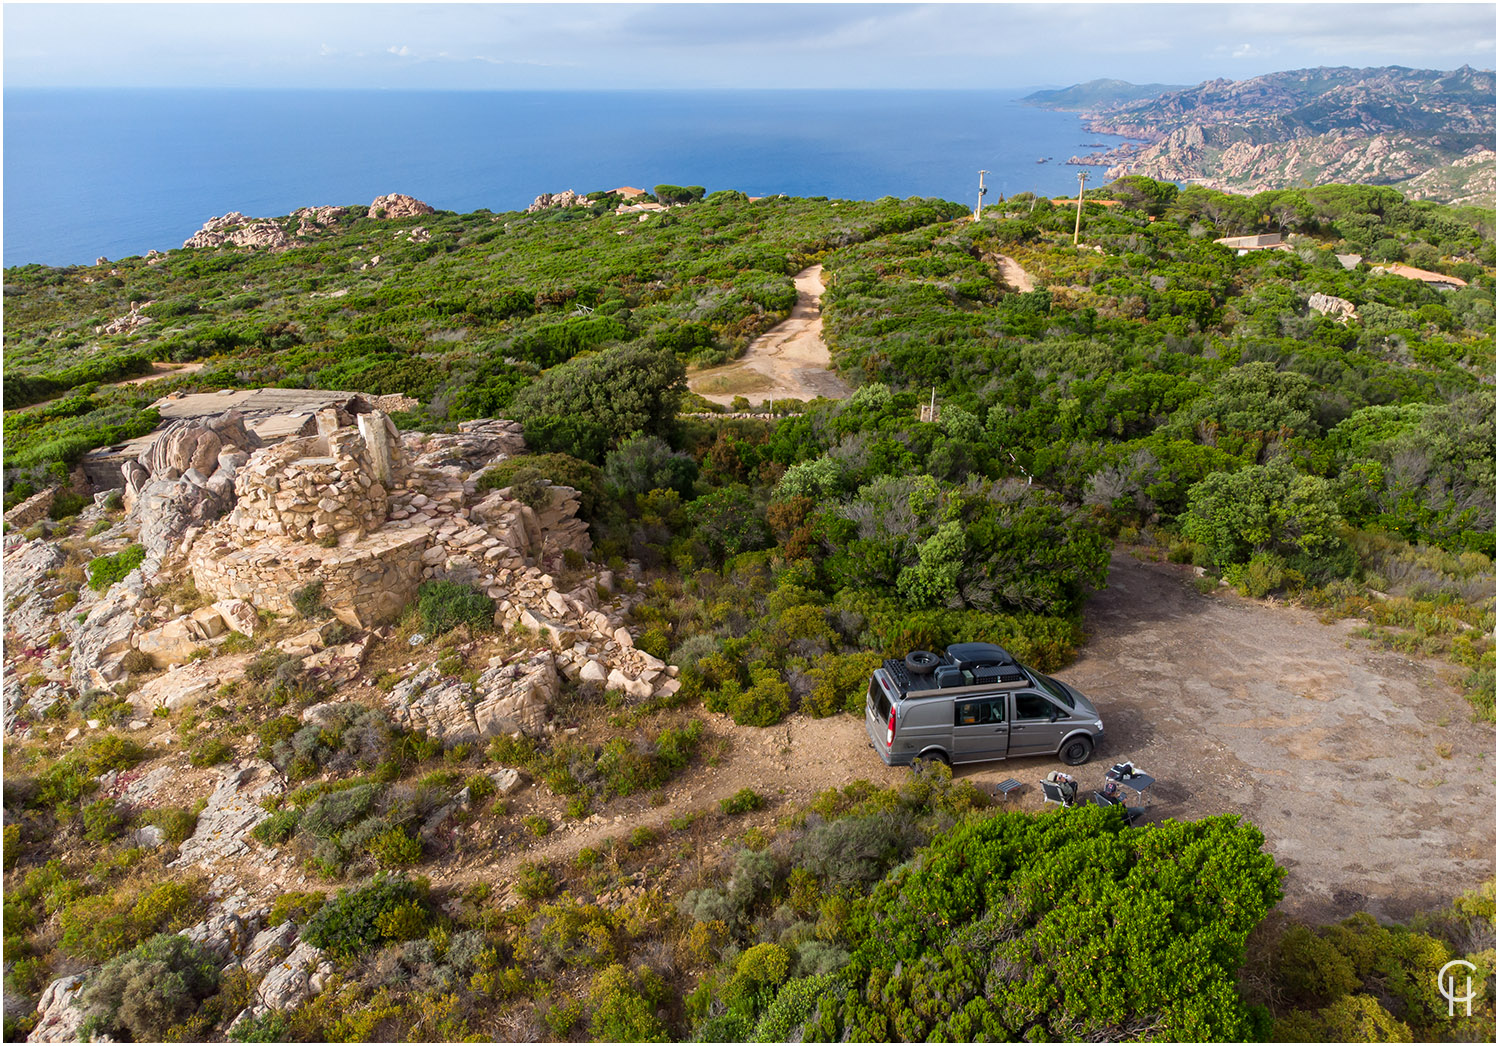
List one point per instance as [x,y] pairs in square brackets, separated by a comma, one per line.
[1137,783]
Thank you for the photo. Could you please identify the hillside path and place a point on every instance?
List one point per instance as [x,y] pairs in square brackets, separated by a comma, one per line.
[1014,275]
[789,361]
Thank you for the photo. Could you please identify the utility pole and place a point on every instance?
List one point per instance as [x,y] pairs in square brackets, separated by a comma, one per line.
[982,192]
[1082,176]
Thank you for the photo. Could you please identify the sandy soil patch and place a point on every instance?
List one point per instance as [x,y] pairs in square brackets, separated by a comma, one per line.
[163,370]
[789,361]
[1014,275]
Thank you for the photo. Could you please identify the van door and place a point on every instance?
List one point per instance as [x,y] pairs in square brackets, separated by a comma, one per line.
[1035,729]
[981,729]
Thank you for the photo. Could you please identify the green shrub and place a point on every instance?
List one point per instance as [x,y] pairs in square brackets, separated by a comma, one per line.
[839,683]
[296,907]
[333,811]
[742,802]
[176,822]
[1350,1018]
[102,822]
[147,990]
[104,571]
[12,845]
[765,702]
[210,752]
[621,1013]
[279,827]
[444,605]
[356,921]
[480,787]
[307,601]
[537,825]
[112,752]
[1312,969]
[534,881]
[394,849]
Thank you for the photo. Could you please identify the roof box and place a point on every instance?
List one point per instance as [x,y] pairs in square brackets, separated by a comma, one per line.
[979,655]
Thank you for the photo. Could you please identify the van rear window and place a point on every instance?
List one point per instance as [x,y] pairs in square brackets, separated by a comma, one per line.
[878,701]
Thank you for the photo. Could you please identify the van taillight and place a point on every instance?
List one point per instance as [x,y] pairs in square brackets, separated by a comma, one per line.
[890,729]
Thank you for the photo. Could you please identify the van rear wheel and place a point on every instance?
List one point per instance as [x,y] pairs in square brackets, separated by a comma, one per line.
[1076,751]
[929,759]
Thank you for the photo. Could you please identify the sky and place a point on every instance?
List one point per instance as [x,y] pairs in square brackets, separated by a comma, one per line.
[590,46]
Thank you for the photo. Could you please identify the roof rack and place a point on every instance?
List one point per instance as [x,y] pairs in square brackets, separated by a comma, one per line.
[949,675]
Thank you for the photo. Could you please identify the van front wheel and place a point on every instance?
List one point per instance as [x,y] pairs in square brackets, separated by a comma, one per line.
[1076,751]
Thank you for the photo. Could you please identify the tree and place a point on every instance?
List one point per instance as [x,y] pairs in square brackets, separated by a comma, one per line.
[646,463]
[623,391]
[1264,508]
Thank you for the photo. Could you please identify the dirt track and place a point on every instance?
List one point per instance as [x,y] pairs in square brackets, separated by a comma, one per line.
[789,361]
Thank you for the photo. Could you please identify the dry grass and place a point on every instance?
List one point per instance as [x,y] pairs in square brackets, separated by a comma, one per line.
[735,379]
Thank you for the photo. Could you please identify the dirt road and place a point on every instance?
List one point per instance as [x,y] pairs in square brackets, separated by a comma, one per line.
[789,361]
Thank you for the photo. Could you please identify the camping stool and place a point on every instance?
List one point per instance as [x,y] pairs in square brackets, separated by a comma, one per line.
[1005,787]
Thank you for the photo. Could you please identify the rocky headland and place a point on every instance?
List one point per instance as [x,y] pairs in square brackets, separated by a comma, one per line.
[1427,130]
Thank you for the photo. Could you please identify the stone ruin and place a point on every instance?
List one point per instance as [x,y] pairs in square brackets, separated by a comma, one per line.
[322,487]
[357,509]
[315,509]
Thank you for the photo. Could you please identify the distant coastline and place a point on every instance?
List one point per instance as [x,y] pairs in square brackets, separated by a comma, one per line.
[118,173]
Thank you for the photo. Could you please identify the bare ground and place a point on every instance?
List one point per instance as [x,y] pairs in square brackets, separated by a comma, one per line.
[1014,275]
[163,370]
[789,361]
[1363,768]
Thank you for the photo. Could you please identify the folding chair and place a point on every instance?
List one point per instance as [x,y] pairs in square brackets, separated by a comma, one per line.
[1132,814]
[1056,792]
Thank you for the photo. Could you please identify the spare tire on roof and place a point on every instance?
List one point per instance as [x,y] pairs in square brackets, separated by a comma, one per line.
[922,662]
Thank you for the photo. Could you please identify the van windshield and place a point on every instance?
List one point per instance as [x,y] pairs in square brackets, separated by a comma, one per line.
[1055,689]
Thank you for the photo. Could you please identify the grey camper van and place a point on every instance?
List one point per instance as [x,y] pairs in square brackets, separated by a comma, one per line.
[973,704]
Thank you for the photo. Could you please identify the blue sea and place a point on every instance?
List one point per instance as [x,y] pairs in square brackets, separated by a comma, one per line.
[114,173]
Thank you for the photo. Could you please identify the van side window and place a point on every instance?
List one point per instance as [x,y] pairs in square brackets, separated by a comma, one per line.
[979,712]
[1033,706]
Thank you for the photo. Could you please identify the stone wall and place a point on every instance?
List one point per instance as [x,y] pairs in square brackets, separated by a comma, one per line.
[315,488]
[364,584]
[32,509]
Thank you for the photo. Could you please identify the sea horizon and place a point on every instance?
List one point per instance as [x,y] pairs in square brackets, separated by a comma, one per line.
[114,173]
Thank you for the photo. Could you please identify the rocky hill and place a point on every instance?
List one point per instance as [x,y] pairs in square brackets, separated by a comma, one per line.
[1382,126]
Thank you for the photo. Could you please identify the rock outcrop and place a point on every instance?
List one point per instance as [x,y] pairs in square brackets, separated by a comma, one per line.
[1331,305]
[565,198]
[132,320]
[233,809]
[236,230]
[102,639]
[185,479]
[398,205]
[59,1017]
[505,699]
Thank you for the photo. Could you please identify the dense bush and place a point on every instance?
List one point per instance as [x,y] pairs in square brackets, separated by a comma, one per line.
[390,908]
[1078,895]
[147,990]
[104,571]
[444,605]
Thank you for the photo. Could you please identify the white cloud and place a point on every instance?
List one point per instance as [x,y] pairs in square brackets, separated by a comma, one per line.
[403,51]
